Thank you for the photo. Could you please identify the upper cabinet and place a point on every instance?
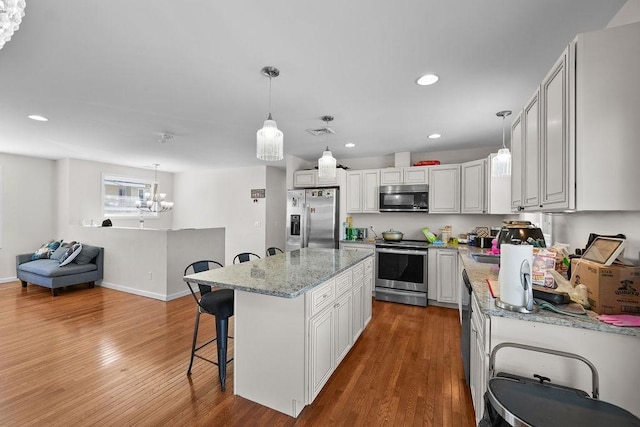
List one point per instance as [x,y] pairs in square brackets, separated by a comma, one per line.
[525,137]
[400,176]
[473,192]
[444,189]
[587,130]
[310,179]
[362,191]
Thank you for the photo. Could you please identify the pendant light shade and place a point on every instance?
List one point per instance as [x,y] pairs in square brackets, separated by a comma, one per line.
[154,202]
[501,164]
[327,163]
[270,139]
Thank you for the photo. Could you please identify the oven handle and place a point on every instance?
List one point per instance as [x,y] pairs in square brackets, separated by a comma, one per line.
[401,251]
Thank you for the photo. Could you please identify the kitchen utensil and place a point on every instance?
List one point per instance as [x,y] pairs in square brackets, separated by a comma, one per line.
[551,296]
[392,236]
[374,231]
[514,279]
[516,232]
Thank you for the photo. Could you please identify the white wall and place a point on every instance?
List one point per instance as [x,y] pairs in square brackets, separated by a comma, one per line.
[222,198]
[28,208]
[276,199]
[80,184]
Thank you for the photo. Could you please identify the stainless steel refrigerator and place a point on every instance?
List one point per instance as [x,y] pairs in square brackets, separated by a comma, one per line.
[312,218]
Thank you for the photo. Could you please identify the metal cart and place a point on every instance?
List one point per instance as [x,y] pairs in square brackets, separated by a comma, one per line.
[518,401]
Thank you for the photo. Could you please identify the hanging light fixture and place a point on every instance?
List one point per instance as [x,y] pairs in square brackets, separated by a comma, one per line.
[11,13]
[270,138]
[154,201]
[501,164]
[327,163]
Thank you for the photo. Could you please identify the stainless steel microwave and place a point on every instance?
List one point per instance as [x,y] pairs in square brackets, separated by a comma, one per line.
[404,198]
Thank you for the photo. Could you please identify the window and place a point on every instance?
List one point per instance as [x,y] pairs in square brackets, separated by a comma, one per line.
[120,194]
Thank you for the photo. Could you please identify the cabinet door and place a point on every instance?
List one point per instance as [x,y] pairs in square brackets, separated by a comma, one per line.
[370,192]
[303,179]
[367,290]
[531,154]
[444,189]
[477,373]
[358,308]
[354,192]
[516,164]
[344,326]
[555,136]
[322,349]
[447,275]
[328,182]
[473,187]
[416,175]
[391,176]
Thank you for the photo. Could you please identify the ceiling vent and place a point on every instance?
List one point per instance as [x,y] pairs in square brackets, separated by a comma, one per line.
[324,130]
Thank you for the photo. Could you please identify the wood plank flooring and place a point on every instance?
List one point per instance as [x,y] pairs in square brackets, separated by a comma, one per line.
[97,356]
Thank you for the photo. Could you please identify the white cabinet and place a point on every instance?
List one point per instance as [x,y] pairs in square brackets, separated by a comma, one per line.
[367,290]
[444,189]
[473,194]
[310,179]
[443,275]
[478,358]
[399,176]
[343,309]
[588,127]
[362,191]
[525,136]
[322,357]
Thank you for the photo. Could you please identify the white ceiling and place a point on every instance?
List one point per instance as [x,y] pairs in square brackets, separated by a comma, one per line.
[113,75]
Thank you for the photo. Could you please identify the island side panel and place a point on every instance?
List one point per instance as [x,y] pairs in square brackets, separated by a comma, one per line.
[269,351]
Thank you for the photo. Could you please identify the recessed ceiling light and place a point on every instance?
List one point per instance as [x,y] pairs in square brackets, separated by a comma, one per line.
[427,79]
[38,118]
[349,145]
[434,136]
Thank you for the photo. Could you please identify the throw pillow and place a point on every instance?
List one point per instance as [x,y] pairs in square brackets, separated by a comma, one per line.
[71,254]
[57,254]
[87,254]
[46,250]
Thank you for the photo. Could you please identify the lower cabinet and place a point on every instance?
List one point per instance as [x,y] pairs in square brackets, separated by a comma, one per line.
[322,338]
[478,358]
[443,276]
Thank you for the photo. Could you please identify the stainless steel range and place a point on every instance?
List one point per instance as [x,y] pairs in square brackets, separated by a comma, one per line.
[402,272]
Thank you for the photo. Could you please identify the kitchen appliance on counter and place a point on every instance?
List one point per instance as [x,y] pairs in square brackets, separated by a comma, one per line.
[401,274]
[517,232]
[514,278]
[312,218]
[404,198]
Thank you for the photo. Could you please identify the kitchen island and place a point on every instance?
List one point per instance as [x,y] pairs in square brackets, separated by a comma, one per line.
[612,349]
[296,315]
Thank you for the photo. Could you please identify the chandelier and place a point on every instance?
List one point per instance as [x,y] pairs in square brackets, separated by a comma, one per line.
[270,138]
[501,164]
[11,13]
[327,163]
[154,201]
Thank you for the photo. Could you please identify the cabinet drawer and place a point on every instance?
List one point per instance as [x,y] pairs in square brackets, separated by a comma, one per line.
[323,296]
[343,283]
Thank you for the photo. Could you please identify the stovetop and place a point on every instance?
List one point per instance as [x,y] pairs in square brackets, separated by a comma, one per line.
[420,244]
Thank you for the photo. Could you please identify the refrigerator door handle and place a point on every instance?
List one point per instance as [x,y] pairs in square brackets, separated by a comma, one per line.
[306,226]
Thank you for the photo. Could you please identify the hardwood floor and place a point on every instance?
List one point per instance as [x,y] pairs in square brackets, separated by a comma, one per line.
[103,357]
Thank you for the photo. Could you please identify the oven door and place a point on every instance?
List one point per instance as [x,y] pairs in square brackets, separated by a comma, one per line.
[401,269]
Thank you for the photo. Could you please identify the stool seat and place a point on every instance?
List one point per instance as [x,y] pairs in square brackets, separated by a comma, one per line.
[219,302]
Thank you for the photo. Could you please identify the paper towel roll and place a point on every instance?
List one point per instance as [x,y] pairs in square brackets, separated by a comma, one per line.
[511,258]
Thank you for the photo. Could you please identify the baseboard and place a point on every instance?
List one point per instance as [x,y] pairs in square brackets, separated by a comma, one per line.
[8,279]
[154,295]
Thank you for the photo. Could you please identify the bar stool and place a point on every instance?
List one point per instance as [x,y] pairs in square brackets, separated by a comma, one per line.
[273,250]
[218,303]
[245,257]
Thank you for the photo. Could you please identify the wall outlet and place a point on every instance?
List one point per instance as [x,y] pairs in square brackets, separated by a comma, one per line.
[257,224]
[150,274]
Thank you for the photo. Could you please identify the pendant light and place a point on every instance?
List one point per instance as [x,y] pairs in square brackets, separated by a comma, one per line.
[501,164]
[270,138]
[154,202]
[327,163]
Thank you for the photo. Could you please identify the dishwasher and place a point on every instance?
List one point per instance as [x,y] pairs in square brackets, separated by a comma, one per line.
[465,335]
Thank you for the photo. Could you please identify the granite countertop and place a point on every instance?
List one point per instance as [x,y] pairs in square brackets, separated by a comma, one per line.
[479,273]
[286,275]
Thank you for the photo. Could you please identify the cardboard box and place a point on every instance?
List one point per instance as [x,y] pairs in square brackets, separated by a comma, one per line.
[612,290]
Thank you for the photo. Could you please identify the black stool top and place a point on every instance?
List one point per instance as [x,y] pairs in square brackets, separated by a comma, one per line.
[548,405]
[218,302]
